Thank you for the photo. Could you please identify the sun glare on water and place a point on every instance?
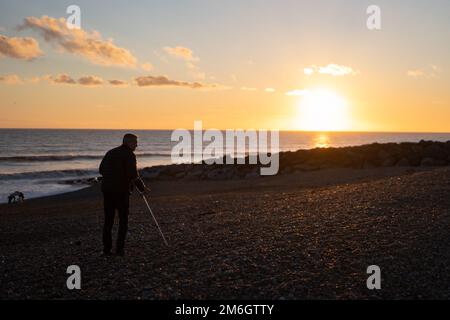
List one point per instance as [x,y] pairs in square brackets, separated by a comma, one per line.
[322,110]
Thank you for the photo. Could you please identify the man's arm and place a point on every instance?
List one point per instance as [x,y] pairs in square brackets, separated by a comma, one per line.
[132,173]
[130,167]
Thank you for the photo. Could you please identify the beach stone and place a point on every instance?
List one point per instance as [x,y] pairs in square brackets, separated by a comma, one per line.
[368,165]
[195,172]
[441,162]
[286,170]
[172,170]
[434,151]
[403,162]
[447,146]
[305,167]
[427,162]
[433,162]
[252,175]
[218,174]
[414,159]
[424,153]
[417,148]
[388,162]
[180,175]
[383,155]
[188,177]
[150,173]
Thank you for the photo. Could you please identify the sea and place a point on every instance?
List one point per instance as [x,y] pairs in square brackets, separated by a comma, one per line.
[39,162]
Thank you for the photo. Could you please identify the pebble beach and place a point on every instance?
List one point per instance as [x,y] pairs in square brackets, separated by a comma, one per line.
[305,235]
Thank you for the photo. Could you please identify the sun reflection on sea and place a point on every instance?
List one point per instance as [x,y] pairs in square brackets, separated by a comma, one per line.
[322,140]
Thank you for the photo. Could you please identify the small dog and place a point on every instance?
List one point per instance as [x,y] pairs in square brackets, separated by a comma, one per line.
[16,197]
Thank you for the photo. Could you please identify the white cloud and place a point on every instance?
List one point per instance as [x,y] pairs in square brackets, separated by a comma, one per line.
[297,92]
[336,70]
[88,45]
[181,52]
[308,71]
[435,68]
[90,81]
[269,90]
[187,55]
[431,72]
[163,81]
[147,66]
[118,82]
[11,79]
[19,48]
[415,73]
[330,69]
[248,89]
[199,75]
[60,79]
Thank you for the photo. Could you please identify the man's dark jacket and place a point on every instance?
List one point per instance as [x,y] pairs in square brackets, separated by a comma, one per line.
[119,171]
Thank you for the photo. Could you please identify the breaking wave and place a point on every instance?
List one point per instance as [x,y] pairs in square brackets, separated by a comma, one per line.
[68,157]
[52,174]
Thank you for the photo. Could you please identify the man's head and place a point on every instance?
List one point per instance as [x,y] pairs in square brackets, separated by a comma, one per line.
[130,140]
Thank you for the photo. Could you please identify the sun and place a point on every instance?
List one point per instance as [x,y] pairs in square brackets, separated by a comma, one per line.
[322,110]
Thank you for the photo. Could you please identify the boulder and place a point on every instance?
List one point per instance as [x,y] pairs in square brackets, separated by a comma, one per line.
[151,173]
[304,167]
[180,175]
[218,174]
[388,161]
[368,165]
[434,151]
[172,170]
[403,162]
[383,155]
[195,173]
[252,175]
[414,159]
[427,162]
[425,153]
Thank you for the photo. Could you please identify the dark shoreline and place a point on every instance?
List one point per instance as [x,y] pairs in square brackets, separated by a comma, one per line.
[375,155]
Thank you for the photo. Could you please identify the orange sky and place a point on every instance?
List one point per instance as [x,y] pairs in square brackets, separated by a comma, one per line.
[325,70]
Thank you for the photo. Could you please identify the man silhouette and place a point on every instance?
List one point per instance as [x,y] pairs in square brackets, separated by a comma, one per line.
[120,174]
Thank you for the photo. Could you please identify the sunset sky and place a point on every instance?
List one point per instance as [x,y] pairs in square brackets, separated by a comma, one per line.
[288,65]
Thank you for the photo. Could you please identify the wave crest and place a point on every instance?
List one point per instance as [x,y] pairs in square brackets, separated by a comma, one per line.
[69,157]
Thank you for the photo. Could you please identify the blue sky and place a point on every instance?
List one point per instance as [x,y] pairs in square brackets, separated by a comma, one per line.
[227,34]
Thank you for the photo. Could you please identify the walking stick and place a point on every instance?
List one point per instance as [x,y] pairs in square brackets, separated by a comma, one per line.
[154,218]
